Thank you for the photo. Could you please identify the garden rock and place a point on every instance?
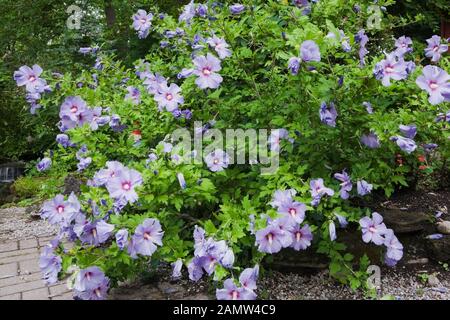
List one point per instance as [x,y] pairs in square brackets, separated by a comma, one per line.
[405,221]
[444,227]
[33,211]
[433,281]
[295,261]
[72,184]
[439,250]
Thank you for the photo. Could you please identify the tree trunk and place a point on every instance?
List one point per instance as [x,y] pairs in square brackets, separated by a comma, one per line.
[110,14]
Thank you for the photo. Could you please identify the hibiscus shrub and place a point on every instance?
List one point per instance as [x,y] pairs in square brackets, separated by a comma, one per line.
[354,111]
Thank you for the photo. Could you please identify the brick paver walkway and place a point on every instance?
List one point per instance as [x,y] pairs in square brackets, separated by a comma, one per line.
[20,276]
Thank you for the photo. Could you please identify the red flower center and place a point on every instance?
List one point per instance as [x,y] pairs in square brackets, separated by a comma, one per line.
[60,209]
[74,109]
[389,69]
[270,238]
[433,85]
[169,96]
[206,71]
[126,186]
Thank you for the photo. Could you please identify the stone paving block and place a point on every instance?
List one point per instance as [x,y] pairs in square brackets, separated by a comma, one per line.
[15,253]
[21,287]
[58,289]
[9,246]
[45,240]
[8,270]
[27,244]
[15,296]
[65,296]
[37,294]
[20,279]
[29,266]
[18,258]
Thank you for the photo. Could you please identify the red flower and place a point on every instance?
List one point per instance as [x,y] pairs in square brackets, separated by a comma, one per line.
[421,158]
[422,167]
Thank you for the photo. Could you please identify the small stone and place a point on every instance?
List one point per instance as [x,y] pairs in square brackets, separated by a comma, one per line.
[433,281]
[418,261]
[439,250]
[444,227]
[168,288]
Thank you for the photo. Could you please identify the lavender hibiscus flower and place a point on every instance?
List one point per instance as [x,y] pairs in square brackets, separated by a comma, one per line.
[220,46]
[72,107]
[29,77]
[94,233]
[402,45]
[64,140]
[408,131]
[217,160]
[363,187]
[373,229]
[249,277]
[282,196]
[294,65]
[394,251]
[309,51]
[59,211]
[113,169]
[370,140]
[318,190]
[342,220]
[301,237]
[435,49]
[122,238]
[436,82]
[206,68]
[294,210]
[304,5]
[362,39]
[332,230]
[406,144]
[391,68]
[272,239]
[74,112]
[146,238]
[368,107]
[232,292]
[188,13]
[176,269]
[91,284]
[207,254]
[237,8]
[153,82]
[346,184]
[44,164]
[168,97]
[328,114]
[275,138]
[50,265]
[142,22]
[123,185]
[98,120]
[134,95]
